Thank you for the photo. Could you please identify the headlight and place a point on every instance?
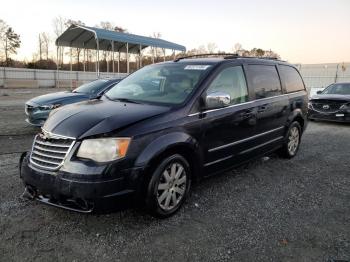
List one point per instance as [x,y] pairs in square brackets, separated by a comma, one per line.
[346,106]
[49,107]
[104,149]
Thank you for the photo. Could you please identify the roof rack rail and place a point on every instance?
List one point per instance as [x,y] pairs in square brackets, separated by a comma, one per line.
[205,55]
[226,56]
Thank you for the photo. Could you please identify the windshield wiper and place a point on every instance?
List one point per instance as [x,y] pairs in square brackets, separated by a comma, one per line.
[127,100]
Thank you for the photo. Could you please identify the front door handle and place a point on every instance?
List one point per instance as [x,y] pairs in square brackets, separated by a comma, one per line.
[247,114]
[262,109]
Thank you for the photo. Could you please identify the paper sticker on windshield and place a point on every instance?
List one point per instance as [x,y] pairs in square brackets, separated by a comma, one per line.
[196,67]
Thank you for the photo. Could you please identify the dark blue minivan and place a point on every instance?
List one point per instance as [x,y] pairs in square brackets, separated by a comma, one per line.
[162,128]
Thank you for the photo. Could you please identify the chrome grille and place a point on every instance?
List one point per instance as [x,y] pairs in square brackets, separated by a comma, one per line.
[49,151]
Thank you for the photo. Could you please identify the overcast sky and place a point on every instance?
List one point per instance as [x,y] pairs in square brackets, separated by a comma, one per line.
[300,31]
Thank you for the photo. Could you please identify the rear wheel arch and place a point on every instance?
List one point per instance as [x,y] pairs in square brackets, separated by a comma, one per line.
[297,116]
[300,120]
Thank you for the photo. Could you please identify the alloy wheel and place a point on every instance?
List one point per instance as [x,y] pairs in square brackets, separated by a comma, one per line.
[172,186]
[293,140]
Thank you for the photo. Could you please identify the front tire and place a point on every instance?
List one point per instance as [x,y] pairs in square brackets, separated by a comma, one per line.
[292,142]
[169,186]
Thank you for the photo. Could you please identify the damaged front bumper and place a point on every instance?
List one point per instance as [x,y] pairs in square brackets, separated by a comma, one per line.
[82,193]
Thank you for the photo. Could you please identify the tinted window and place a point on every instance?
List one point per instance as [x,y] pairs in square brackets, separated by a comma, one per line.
[291,79]
[93,87]
[338,89]
[264,81]
[231,81]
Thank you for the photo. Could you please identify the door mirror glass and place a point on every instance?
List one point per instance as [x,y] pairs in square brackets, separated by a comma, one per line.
[217,99]
[319,92]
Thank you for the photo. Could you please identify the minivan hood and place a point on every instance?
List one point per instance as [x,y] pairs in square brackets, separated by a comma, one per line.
[331,97]
[59,97]
[95,117]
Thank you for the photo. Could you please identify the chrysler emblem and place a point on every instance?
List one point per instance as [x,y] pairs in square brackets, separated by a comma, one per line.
[326,107]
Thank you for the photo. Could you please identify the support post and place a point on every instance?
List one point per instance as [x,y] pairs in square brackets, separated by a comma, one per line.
[70,61]
[71,68]
[84,56]
[164,54]
[107,64]
[58,66]
[152,55]
[118,62]
[127,58]
[140,56]
[97,58]
[113,56]
[336,74]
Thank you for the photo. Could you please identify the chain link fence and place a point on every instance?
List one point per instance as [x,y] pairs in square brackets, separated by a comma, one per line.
[319,76]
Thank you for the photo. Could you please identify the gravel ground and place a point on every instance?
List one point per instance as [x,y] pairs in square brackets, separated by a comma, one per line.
[269,210]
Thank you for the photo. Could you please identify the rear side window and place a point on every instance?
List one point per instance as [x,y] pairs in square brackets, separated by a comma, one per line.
[264,81]
[291,79]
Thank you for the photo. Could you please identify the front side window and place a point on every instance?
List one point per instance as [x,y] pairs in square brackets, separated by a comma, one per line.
[291,79]
[338,89]
[231,81]
[264,81]
[168,84]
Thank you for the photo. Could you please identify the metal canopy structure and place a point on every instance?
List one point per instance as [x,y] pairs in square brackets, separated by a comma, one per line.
[85,37]
[93,38]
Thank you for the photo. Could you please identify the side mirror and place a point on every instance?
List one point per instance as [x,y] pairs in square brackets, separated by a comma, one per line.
[319,92]
[217,99]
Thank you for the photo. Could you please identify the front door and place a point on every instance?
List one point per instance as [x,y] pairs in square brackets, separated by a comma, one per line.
[226,130]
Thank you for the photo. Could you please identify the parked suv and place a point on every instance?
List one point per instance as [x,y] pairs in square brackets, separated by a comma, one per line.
[163,127]
[331,104]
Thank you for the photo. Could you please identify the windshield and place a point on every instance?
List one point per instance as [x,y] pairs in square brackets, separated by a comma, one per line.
[164,83]
[92,88]
[337,89]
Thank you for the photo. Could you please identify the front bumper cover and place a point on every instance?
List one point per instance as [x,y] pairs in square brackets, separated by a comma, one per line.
[340,116]
[81,195]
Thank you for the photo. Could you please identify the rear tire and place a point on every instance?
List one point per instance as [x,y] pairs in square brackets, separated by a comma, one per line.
[292,141]
[169,186]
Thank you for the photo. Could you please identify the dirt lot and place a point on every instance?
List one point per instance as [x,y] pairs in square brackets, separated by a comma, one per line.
[270,210]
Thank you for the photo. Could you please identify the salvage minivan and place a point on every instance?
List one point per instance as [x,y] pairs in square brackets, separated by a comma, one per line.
[162,128]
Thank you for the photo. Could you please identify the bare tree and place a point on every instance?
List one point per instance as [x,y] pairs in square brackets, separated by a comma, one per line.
[237,48]
[121,29]
[40,48]
[111,26]
[106,25]
[44,45]
[155,51]
[59,26]
[46,40]
[212,47]
[3,28]
[76,52]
